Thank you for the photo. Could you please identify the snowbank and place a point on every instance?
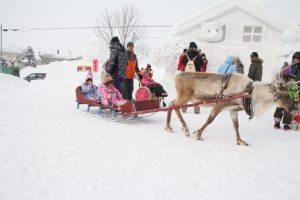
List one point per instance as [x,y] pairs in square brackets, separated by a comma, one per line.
[11,82]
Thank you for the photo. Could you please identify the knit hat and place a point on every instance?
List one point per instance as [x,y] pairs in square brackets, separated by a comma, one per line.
[130,44]
[107,79]
[254,54]
[114,40]
[296,55]
[89,76]
[193,45]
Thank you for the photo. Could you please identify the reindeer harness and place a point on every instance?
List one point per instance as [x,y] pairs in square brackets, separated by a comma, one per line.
[247,102]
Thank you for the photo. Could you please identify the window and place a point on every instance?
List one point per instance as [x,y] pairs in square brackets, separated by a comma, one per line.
[252,34]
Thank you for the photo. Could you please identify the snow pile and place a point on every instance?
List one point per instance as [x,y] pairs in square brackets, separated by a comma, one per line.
[27,71]
[10,82]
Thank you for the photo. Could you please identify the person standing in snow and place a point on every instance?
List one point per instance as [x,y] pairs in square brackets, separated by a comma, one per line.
[117,62]
[256,68]
[88,89]
[228,67]
[129,72]
[281,113]
[180,65]
[239,66]
[193,55]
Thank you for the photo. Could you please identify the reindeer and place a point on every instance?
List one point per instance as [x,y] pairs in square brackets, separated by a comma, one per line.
[196,87]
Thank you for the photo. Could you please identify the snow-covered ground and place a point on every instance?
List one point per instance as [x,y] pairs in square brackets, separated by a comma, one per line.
[49,150]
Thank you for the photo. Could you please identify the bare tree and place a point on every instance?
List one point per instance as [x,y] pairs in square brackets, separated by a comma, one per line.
[124,22]
[108,22]
[12,61]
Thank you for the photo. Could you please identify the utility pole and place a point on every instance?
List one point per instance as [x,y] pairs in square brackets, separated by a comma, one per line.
[1,50]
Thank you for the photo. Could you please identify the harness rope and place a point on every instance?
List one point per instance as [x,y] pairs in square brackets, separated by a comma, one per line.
[224,85]
[247,102]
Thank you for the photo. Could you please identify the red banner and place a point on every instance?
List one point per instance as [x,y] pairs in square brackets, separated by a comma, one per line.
[95,65]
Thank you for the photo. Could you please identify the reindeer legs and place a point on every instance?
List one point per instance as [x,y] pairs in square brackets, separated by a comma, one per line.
[215,111]
[184,128]
[168,128]
[234,117]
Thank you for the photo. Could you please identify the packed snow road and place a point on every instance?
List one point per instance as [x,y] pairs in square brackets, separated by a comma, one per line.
[50,150]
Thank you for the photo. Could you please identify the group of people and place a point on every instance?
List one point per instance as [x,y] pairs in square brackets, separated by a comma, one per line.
[106,93]
[234,65]
[118,81]
[192,60]
[290,73]
[122,67]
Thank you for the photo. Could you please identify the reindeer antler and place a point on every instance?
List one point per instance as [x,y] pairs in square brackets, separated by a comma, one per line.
[292,83]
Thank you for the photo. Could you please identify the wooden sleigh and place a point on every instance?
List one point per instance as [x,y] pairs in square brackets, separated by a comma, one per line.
[145,101]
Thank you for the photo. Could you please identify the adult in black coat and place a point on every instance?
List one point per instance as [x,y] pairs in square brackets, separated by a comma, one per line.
[192,52]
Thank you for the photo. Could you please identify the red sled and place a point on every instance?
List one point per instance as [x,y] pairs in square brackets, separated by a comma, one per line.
[128,109]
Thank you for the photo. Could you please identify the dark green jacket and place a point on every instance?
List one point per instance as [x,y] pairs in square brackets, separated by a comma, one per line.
[256,69]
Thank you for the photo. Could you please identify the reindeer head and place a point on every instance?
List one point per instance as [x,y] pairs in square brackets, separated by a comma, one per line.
[281,94]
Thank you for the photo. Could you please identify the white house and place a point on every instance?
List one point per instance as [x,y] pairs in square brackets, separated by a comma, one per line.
[238,27]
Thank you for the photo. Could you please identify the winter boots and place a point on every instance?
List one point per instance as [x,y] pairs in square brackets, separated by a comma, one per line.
[277,125]
[286,127]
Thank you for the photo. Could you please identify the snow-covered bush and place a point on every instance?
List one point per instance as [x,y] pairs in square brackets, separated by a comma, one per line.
[167,55]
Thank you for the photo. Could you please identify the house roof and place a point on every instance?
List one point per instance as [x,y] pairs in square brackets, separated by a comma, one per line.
[261,13]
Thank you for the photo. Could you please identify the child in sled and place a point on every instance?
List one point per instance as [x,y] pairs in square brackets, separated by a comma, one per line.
[155,87]
[110,96]
[88,89]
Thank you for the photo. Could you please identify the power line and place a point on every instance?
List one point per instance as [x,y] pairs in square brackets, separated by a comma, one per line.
[82,28]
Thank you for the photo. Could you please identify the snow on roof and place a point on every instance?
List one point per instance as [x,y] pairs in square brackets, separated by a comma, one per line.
[272,19]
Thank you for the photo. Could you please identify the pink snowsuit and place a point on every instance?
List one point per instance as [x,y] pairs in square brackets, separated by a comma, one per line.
[147,80]
[111,93]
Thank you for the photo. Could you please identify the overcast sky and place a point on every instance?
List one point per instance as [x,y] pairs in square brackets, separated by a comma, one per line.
[77,13]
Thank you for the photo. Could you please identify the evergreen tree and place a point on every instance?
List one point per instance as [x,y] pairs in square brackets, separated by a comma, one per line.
[29,58]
